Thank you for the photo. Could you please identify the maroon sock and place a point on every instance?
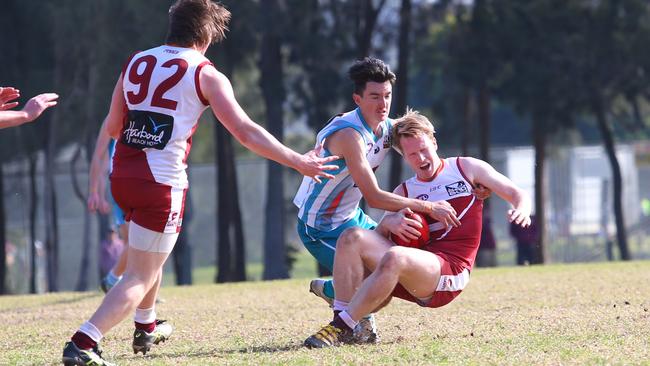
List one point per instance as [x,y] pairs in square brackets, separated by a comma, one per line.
[83,341]
[149,327]
[339,323]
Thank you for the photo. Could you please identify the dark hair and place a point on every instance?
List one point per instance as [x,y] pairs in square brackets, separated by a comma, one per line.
[369,69]
[197,23]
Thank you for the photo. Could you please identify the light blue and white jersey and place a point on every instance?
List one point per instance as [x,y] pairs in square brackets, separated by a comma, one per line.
[325,206]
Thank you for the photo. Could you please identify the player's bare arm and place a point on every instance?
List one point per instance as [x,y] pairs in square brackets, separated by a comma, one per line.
[348,144]
[114,119]
[98,173]
[217,89]
[32,110]
[480,172]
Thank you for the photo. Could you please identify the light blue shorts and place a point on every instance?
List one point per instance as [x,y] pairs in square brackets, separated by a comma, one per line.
[322,244]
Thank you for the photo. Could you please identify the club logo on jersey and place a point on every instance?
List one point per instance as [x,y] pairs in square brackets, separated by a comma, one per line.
[388,142]
[173,220]
[422,197]
[456,188]
[146,129]
[448,284]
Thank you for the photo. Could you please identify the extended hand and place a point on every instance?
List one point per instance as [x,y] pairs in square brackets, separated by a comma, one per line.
[313,165]
[444,213]
[402,225]
[7,94]
[35,106]
[97,202]
[518,217]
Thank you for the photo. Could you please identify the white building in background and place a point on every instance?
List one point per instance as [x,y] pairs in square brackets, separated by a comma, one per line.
[579,186]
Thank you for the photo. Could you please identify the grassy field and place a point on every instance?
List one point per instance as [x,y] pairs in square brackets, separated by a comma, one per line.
[559,314]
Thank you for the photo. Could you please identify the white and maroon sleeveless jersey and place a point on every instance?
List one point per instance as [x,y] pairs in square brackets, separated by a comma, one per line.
[450,184]
[163,105]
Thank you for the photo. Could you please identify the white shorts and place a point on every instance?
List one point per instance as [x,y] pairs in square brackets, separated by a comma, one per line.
[141,238]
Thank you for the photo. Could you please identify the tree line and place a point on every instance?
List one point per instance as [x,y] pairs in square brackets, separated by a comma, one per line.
[555,63]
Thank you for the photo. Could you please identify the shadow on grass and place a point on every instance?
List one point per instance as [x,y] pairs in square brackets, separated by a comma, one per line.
[243,350]
[227,351]
[63,301]
[74,299]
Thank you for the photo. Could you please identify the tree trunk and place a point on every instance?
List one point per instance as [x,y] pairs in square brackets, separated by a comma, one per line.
[49,196]
[33,211]
[271,83]
[466,118]
[3,236]
[84,265]
[183,260]
[401,86]
[539,138]
[484,122]
[610,149]
[231,249]
[182,252]
[231,263]
[366,19]
[86,148]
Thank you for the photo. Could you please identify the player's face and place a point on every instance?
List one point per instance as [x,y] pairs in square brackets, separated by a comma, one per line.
[375,102]
[420,154]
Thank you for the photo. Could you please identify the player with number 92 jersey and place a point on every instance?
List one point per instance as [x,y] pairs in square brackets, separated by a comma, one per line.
[164,102]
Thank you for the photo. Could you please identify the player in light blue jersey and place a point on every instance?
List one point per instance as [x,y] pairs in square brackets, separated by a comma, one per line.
[361,138]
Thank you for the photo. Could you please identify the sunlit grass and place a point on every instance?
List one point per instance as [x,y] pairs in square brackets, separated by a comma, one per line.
[550,315]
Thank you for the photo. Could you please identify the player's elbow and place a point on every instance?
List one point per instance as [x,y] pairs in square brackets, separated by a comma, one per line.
[378,199]
[244,135]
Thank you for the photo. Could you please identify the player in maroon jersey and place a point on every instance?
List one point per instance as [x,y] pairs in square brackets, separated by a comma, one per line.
[434,274]
[156,103]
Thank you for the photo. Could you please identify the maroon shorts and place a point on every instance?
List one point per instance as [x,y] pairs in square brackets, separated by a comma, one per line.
[152,205]
[453,279]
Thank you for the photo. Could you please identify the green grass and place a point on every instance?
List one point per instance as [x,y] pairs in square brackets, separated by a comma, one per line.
[593,314]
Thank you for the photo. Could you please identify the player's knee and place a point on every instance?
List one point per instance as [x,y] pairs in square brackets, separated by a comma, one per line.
[394,260]
[145,280]
[350,237]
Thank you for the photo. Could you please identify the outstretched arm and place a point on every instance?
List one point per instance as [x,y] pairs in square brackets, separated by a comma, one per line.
[32,109]
[480,172]
[217,89]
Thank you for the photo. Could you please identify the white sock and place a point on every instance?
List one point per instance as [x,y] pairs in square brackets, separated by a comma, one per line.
[91,331]
[145,316]
[340,305]
[347,320]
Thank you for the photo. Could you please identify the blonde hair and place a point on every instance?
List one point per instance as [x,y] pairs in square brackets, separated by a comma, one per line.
[411,124]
